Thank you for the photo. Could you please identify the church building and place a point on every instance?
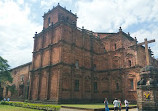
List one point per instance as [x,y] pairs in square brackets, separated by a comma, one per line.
[72,64]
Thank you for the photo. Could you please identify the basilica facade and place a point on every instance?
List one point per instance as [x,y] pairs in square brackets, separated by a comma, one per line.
[72,64]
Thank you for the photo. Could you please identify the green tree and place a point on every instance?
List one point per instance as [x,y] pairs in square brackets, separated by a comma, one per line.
[5,75]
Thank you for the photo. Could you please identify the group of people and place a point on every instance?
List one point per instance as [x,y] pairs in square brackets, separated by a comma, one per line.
[8,99]
[117,104]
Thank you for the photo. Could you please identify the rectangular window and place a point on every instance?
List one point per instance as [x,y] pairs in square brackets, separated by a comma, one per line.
[104,50]
[77,64]
[22,77]
[49,21]
[117,86]
[131,84]
[76,85]
[95,87]
[94,67]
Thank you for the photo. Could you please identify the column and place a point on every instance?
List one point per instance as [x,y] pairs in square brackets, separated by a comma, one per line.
[31,85]
[39,85]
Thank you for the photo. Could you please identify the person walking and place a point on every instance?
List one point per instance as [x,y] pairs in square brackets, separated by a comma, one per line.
[126,105]
[119,104]
[4,99]
[115,102]
[8,99]
[106,104]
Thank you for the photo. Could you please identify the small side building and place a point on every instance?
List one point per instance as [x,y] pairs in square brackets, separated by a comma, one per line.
[21,78]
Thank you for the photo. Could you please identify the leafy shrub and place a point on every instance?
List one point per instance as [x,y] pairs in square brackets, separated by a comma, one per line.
[4,103]
[25,100]
[32,105]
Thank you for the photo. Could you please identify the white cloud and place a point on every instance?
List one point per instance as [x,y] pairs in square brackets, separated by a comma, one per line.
[16,33]
[149,34]
[108,15]
[34,0]
[20,1]
[50,3]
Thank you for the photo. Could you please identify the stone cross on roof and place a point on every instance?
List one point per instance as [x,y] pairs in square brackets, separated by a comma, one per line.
[146,49]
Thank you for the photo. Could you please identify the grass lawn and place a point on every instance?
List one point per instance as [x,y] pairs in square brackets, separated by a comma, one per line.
[91,106]
[12,108]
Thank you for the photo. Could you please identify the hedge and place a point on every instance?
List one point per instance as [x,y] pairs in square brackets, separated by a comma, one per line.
[32,105]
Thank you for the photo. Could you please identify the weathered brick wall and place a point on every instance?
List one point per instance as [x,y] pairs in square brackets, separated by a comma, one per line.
[58,14]
[109,62]
[34,90]
[18,73]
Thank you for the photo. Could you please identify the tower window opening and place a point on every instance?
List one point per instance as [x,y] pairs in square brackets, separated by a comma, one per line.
[49,21]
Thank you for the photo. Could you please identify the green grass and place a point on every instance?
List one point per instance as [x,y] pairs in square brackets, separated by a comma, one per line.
[88,106]
[91,106]
[13,108]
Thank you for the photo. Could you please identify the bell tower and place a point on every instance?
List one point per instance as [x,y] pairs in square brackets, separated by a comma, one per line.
[59,14]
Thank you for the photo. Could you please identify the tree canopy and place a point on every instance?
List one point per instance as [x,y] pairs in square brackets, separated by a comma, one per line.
[5,75]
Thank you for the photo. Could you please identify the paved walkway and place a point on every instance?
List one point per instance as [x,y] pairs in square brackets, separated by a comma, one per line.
[67,109]
[134,109]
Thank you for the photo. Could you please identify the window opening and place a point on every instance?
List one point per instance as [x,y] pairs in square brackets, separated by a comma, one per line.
[129,63]
[131,84]
[95,87]
[49,21]
[77,64]
[115,47]
[76,85]
[117,86]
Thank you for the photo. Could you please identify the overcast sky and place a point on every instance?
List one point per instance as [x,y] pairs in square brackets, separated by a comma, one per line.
[20,19]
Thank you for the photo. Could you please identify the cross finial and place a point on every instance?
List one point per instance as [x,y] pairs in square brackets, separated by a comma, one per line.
[148,61]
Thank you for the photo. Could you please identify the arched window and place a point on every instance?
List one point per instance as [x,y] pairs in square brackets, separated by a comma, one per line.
[129,63]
